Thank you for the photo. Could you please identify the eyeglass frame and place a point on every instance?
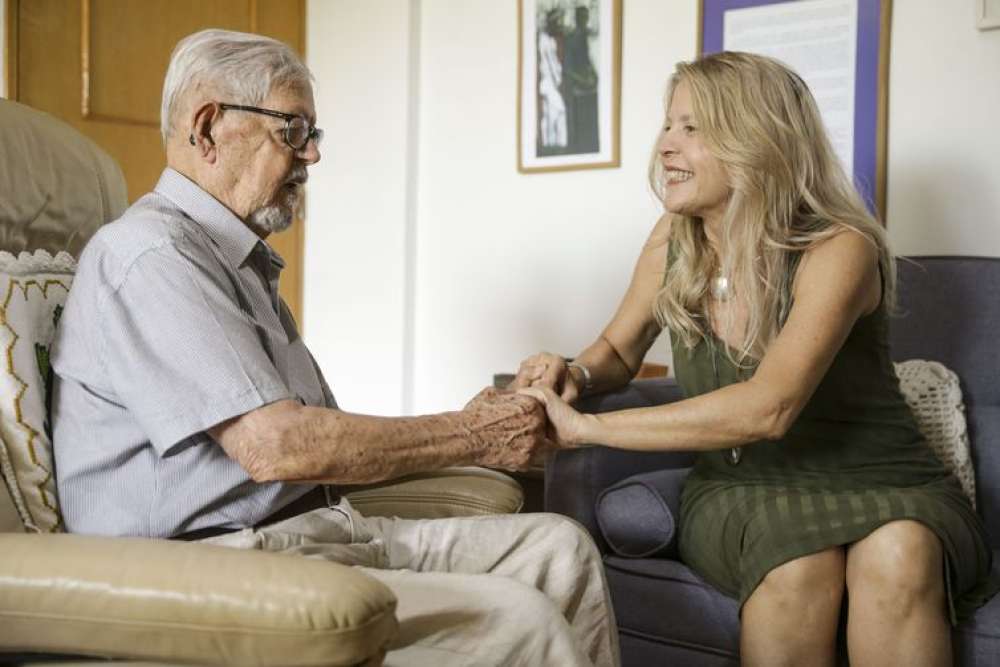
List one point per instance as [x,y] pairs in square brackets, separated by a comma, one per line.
[314,134]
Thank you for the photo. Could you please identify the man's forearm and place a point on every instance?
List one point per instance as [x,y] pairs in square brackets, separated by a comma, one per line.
[289,442]
[343,448]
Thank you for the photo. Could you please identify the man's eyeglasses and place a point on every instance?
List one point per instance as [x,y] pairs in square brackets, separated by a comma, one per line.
[298,131]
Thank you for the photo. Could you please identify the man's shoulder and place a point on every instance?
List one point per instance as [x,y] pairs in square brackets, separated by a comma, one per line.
[151,226]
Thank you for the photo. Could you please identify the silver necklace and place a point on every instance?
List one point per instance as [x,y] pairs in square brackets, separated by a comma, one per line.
[733,456]
[721,288]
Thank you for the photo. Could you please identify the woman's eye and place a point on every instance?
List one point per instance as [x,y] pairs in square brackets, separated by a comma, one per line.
[666,128]
[690,129]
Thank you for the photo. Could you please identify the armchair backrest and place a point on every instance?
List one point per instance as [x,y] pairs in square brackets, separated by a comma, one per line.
[950,312]
[58,188]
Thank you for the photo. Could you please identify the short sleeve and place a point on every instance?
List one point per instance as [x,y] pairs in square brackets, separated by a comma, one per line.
[180,351]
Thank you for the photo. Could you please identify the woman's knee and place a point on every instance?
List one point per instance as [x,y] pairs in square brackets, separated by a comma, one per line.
[807,582]
[897,566]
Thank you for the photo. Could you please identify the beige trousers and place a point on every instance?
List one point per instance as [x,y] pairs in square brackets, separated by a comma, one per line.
[516,589]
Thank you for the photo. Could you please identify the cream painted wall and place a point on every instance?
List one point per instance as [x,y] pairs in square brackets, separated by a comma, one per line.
[510,263]
[944,131]
[431,263]
[354,307]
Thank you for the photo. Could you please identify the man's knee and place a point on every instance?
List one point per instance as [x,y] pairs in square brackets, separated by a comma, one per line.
[569,535]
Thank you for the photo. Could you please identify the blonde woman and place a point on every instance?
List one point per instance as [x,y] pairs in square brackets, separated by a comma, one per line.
[813,488]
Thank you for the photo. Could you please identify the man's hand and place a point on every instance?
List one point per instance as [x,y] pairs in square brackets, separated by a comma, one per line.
[567,427]
[510,426]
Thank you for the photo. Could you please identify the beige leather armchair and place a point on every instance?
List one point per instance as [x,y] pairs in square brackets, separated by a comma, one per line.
[158,601]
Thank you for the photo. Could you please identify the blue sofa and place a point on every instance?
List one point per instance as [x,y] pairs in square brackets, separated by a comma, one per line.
[950,312]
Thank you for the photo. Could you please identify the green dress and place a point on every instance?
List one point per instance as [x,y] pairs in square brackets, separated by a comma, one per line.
[853,461]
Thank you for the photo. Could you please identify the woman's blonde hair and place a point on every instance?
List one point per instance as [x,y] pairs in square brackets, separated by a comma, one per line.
[789,192]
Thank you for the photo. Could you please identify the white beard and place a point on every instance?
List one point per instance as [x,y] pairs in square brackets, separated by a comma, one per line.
[276,218]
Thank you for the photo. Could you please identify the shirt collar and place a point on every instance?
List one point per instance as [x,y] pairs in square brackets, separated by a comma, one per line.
[234,238]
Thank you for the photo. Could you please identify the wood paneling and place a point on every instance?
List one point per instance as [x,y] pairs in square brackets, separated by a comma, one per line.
[99,65]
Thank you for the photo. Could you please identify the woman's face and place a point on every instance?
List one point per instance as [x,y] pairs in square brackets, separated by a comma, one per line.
[695,181]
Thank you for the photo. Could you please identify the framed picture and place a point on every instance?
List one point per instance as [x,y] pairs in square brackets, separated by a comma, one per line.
[841,49]
[988,14]
[569,82]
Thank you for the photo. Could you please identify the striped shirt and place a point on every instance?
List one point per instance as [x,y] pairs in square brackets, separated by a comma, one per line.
[173,325]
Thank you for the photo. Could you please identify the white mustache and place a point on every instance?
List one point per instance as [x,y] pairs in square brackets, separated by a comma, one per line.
[299,176]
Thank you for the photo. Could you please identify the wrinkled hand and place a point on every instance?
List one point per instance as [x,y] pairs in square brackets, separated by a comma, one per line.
[567,427]
[547,370]
[510,427]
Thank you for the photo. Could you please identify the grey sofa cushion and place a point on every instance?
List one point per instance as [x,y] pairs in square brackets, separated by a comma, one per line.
[977,640]
[664,602]
[637,515]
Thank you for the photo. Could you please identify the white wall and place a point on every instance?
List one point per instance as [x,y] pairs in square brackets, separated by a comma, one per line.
[355,259]
[944,131]
[510,263]
[431,263]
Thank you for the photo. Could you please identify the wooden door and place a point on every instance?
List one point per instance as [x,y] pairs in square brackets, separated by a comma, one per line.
[99,66]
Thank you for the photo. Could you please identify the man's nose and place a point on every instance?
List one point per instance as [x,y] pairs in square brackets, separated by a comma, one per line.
[310,152]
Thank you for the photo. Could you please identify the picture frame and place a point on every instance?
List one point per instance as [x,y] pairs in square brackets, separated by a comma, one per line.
[569,85]
[840,48]
[987,14]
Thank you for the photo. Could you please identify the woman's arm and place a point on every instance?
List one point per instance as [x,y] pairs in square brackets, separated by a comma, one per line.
[837,283]
[614,358]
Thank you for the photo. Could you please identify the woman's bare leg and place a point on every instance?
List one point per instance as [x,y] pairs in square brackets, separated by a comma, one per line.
[897,606]
[791,618]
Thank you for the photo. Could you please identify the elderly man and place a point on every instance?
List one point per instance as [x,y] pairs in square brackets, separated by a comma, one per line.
[187,406]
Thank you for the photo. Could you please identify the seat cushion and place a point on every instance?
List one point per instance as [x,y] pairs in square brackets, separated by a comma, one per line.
[977,641]
[663,601]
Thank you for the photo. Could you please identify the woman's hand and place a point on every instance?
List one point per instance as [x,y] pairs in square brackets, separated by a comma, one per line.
[549,371]
[567,427]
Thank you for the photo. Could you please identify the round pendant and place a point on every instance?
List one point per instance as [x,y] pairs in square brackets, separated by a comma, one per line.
[720,288]
[733,456]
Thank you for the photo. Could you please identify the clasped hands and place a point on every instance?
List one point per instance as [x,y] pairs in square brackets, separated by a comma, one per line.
[520,425]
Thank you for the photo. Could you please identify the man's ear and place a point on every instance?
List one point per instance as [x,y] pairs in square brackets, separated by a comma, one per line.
[200,136]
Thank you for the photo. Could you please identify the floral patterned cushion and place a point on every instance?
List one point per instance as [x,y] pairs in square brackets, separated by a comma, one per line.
[33,289]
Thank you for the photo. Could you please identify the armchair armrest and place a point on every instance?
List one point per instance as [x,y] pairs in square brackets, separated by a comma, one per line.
[186,602]
[439,494]
[574,478]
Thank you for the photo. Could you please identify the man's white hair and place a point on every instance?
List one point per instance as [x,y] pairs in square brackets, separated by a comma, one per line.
[238,67]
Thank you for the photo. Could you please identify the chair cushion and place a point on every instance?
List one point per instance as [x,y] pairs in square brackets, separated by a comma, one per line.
[33,289]
[636,515]
[977,640]
[664,601]
[933,393]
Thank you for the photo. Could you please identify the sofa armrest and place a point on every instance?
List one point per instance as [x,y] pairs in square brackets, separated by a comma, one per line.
[575,477]
[186,602]
[450,492]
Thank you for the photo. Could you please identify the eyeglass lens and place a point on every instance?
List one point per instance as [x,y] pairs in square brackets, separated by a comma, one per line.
[298,133]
